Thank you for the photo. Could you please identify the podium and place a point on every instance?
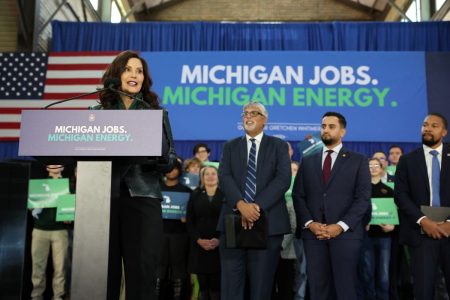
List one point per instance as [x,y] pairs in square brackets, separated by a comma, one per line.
[95,140]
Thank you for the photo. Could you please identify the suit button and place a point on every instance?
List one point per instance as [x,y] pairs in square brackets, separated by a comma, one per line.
[324,194]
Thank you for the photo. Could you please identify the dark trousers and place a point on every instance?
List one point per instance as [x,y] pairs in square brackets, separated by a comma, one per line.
[209,282]
[258,265]
[374,268]
[425,260]
[173,259]
[332,268]
[135,235]
[285,276]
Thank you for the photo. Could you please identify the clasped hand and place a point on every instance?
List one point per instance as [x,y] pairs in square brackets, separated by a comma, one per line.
[208,244]
[325,232]
[435,230]
[250,213]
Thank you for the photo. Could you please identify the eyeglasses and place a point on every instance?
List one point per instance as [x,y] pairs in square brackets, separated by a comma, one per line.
[374,166]
[251,114]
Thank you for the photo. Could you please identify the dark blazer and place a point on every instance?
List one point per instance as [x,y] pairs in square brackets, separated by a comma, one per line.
[412,190]
[142,179]
[345,198]
[273,177]
[201,222]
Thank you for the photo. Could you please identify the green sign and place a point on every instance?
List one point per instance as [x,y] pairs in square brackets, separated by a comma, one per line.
[390,184]
[211,163]
[391,170]
[44,193]
[288,194]
[65,210]
[384,211]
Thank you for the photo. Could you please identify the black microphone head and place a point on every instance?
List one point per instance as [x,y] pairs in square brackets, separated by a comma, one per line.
[112,83]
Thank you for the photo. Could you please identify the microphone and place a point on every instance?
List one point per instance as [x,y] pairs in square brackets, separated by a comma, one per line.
[110,84]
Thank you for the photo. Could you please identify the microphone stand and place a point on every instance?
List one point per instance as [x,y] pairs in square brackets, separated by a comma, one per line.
[74,97]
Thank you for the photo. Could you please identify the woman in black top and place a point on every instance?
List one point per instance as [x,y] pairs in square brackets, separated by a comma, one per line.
[202,217]
[376,248]
[136,222]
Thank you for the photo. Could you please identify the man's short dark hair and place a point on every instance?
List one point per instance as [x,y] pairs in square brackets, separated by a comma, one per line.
[396,146]
[440,116]
[340,117]
[200,145]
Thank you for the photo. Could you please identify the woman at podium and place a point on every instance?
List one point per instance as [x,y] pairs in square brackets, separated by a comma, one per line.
[136,221]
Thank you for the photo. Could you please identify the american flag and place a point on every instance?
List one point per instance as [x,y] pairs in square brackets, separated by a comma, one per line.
[34,80]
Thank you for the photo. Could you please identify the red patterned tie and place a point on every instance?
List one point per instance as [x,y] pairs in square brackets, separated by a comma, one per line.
[327,167]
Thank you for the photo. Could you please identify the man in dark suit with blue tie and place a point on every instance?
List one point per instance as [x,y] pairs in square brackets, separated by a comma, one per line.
[423,179]
[254,174]
[331,196]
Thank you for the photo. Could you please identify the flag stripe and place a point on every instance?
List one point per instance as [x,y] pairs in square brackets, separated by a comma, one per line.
[75,74]
[70,67]
[9,125]
[71,53]
[68,89]
[67,81]
[41,103]
[60,96]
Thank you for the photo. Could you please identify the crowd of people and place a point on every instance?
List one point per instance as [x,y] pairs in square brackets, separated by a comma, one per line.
[318,241]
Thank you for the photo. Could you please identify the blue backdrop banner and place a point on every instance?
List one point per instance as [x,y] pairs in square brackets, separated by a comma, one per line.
[382,94]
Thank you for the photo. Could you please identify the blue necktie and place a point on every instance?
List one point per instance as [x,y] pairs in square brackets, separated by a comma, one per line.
[250,183]
[435,179]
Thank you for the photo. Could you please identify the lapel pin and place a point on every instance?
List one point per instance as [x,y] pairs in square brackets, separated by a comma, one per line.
[344,155]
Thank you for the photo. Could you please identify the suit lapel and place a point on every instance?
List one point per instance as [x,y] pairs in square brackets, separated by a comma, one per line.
[261,158]
[445,165]
[340,161]
[422,168]
[243,156]
[318,163]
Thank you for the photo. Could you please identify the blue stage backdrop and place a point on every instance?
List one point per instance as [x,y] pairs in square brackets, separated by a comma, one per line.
[382,94]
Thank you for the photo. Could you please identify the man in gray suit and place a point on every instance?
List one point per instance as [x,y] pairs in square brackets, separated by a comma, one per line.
[331,196]
[254,174]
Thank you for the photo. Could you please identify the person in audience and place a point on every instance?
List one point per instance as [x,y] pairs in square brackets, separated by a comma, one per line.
[136,227]
[385,177]
[331,196]
[255,173]
[175,243]
[290,150]
[376,249]
[202,216]
[48,234]
[192,165]
[395,152]
[422,180]
[287,276]
[202,152]
[294,168]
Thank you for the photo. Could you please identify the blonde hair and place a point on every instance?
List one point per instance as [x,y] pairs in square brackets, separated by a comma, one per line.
[202,174]
[192,161]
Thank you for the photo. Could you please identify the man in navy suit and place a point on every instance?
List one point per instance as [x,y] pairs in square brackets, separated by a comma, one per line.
[428,240]
[272,179]
[331,196]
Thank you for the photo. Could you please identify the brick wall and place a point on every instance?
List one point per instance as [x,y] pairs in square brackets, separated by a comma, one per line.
[256,10]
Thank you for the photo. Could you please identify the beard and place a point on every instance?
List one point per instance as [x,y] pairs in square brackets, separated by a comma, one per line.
[430,142]
[328,140]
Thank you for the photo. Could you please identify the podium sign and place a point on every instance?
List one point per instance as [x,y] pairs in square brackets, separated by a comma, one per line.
[90,133]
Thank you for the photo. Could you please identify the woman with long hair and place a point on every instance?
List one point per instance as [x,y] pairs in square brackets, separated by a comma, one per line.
[202,216]
[136,221]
